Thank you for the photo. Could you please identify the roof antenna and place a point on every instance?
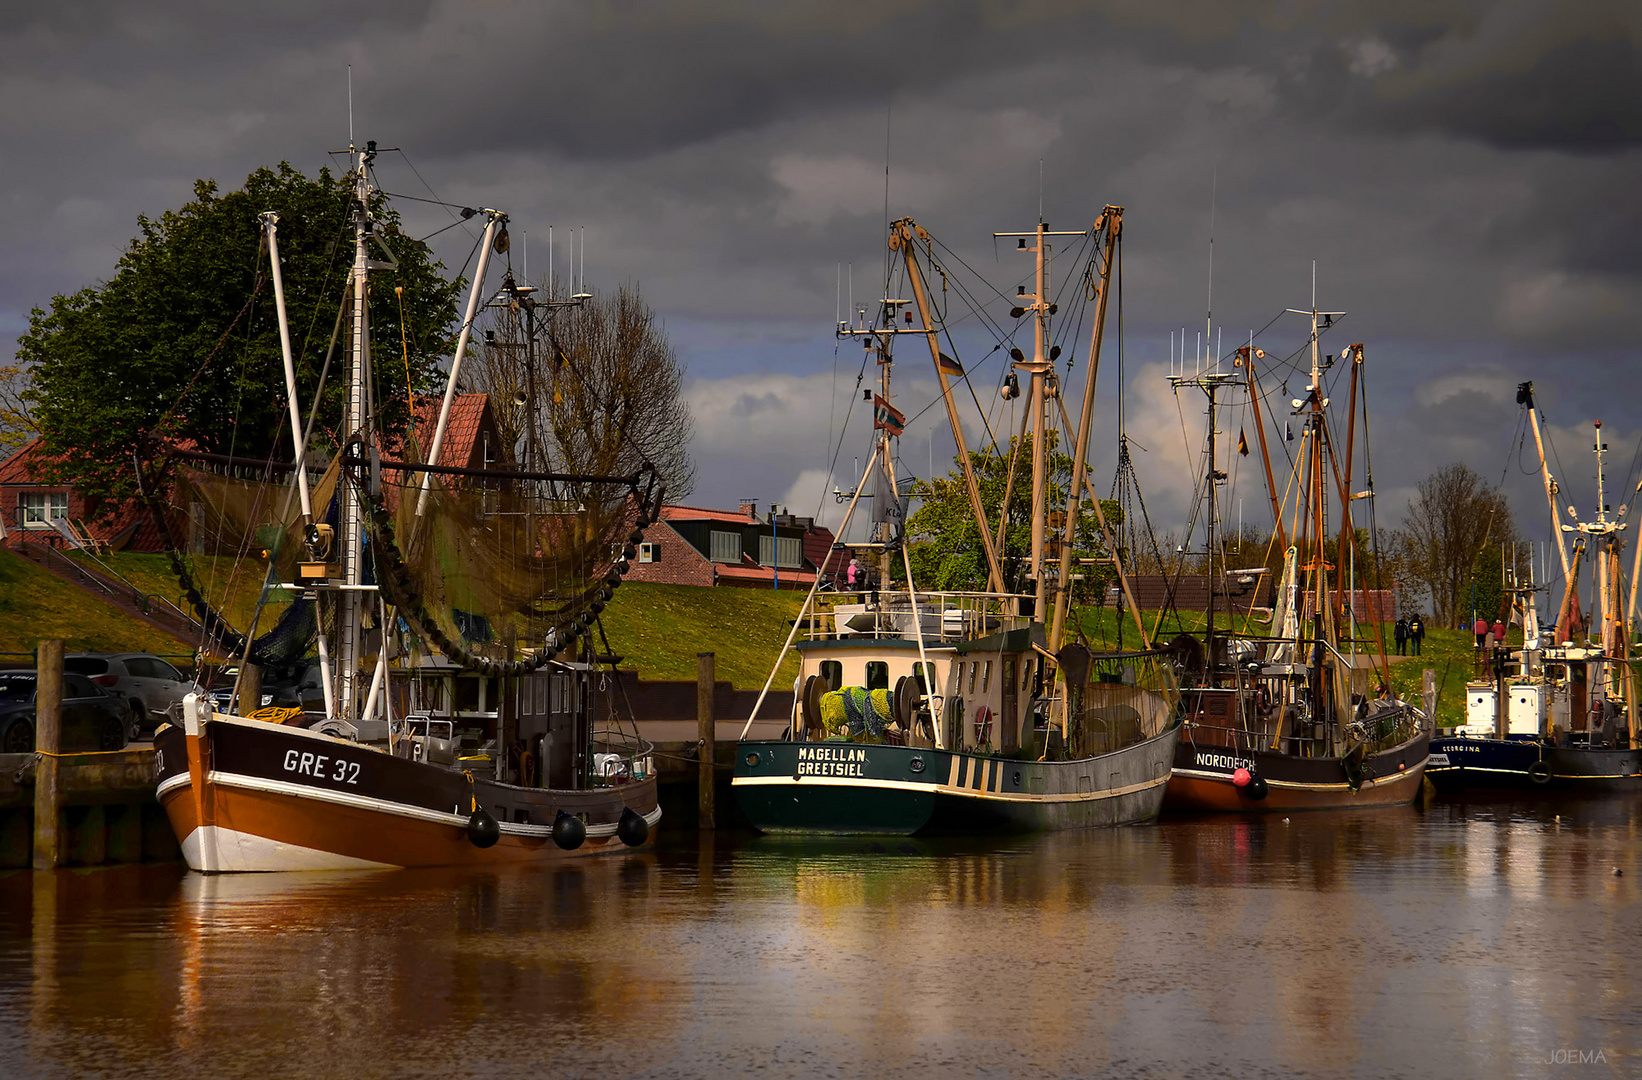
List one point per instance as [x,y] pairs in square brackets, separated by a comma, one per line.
[1208,318]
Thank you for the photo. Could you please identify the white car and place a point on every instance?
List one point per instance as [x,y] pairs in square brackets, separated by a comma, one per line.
[148,685]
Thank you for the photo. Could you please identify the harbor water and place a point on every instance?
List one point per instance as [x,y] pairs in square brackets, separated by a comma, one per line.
[1466,939]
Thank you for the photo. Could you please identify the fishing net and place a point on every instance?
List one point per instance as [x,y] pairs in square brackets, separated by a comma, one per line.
[499,571]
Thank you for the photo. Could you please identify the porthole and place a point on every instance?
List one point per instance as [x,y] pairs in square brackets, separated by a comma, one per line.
[916,764]
[752,759]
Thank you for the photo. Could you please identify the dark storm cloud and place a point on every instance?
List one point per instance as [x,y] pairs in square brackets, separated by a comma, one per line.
[1462,173]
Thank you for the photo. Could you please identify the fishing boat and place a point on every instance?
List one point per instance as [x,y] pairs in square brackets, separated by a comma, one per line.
[922,711]
[1296,719]
[1557,714]
[441,735]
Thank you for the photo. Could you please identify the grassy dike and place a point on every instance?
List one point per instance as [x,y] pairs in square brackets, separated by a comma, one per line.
[656,629]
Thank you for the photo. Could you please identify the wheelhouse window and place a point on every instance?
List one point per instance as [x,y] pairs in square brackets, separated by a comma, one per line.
[39,509]
[877,675]
[832,673]
[986,677]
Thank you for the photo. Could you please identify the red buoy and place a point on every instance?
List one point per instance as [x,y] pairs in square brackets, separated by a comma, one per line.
[1241,778]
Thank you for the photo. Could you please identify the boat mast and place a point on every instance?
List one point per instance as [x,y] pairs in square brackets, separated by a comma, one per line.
[349,607]
[1525,394]
[1044,385]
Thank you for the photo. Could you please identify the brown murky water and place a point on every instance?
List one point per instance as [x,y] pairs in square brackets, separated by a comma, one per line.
[1482,939]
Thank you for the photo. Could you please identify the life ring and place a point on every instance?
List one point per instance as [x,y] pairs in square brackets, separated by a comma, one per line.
[1262,700]
[983,726]
[1539,773]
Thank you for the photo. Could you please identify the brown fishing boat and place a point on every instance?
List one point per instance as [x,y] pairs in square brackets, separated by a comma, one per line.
[1291,720]
[442,608]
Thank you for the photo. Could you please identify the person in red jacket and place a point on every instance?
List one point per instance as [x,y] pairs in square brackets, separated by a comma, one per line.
[1499,632]
[1481,630]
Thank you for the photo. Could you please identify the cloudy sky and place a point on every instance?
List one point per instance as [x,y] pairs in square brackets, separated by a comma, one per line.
[1463,174]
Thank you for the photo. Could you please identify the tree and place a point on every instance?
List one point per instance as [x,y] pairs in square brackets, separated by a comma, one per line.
[1455,517]
[605,384]
[945,544]
[180,345]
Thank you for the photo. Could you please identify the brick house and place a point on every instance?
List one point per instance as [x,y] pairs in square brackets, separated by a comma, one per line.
[692,545]
[56,514]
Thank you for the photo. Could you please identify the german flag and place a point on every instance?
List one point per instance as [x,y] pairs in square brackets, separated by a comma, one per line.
[1242,443]
[887,416]
[949,366]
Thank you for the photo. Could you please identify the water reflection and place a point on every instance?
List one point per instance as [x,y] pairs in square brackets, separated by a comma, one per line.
[1465,939]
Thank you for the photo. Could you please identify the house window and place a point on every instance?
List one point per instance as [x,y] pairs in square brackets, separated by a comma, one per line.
[788,551]
[649,553]
[39,509]
[725,547]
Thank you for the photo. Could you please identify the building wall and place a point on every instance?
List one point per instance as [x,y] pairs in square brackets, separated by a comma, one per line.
[680,563]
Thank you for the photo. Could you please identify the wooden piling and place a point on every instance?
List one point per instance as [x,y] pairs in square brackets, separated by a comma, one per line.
[48,741]
[706,741]
[1428,695]
[250,689]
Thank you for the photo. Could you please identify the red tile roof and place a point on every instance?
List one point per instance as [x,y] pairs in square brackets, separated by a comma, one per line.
[698,513]
[462,447]
[762,573]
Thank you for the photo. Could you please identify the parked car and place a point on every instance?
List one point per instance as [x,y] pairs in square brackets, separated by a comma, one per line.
[93,718]
[299,687]
[148,685]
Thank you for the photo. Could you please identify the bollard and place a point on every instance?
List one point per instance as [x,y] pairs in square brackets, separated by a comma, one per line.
[706,742]
[48,742]
[1428,697]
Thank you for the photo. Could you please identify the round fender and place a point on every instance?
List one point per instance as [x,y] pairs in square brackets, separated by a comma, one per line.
[1257,787]
[569,831]
[1539,773]
[483,832]
[632,828]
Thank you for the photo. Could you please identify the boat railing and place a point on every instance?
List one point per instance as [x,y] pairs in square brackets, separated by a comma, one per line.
[941,615]
[620,757]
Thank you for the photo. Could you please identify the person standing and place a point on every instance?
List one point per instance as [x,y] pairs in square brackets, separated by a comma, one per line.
[1401,634]
[1499,633]
[854,572]
[1416,632]
[1480,628]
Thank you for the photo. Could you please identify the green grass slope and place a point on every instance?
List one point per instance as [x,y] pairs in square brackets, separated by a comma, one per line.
[659,629]
[37,606]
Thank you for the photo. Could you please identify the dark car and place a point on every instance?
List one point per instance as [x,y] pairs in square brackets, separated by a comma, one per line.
[93,719]
[299,687]
[147,685]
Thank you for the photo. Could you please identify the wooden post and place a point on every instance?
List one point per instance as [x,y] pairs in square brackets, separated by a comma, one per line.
[1428,695]
[706,741]
[48,740]
[250,689]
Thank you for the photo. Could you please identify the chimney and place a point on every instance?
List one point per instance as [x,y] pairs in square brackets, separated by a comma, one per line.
[749,509]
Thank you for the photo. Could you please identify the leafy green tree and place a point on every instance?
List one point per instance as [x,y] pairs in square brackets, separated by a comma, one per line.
[181,344]
[944,540]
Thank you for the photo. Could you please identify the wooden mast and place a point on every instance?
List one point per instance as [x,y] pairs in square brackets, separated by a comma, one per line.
[1111,219]
[1249,353]
[901,239]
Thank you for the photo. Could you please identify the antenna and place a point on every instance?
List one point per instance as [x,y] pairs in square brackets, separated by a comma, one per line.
[526,238]
[551,284]
[1214,194]
[1040,189]
[350,106]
